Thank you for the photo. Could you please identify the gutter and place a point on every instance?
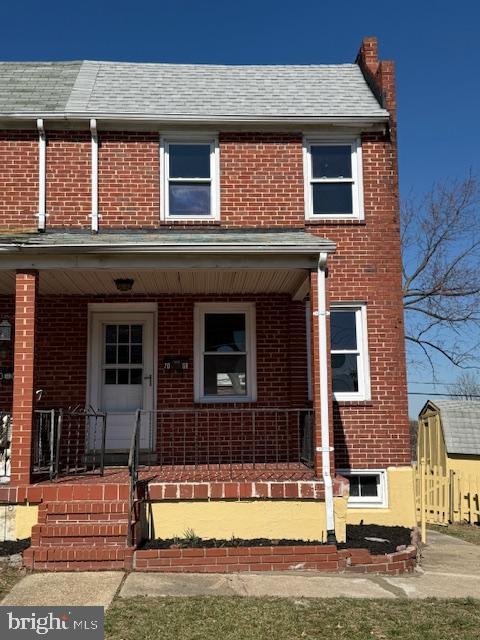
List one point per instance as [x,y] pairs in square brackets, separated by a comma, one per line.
[325,448]
[42,178]
[94,213]
[358,121]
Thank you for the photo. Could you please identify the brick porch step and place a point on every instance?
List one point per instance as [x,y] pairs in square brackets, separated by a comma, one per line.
[81,558]
[80,535]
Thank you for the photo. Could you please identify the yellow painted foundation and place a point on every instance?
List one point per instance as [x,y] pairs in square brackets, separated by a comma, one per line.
[25,517]
[295,519]
[401,504]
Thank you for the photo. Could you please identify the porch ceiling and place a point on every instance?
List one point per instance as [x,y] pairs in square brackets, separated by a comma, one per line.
[82,282]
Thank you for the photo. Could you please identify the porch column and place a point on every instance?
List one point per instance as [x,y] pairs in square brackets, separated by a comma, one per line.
[322,390]
[26,288]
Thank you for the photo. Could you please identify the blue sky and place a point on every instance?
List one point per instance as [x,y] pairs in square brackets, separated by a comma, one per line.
[435,46]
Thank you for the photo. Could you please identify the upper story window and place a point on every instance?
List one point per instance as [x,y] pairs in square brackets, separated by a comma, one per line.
[349,352]
[190,179]
[333,180]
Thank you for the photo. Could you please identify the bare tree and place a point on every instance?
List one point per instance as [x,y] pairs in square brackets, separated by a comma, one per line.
[441,271]
[466,386]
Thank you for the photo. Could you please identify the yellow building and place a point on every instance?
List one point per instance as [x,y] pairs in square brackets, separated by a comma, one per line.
[449,436]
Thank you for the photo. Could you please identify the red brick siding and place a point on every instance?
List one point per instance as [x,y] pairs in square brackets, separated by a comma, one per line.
[18,180]
[68,180]
[62,374]
[366,267]
[129,180]
[261,180]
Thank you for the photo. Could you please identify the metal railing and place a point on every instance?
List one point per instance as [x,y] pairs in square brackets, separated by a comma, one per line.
[59,441]
[133,464]
[217,437]
[5,445]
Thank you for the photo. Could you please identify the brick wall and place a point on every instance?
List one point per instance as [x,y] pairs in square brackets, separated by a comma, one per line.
[128,180]
[18,180]
[61,360]
[68,180]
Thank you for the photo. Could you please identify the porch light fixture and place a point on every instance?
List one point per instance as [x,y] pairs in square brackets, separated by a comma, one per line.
[5,331]
[124,284]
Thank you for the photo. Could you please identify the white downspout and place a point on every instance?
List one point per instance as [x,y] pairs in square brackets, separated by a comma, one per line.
[325,449]
[42,178]
[94,214]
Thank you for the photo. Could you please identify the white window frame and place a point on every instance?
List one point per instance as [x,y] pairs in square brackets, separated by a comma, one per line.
[369,502]
[363,370]
[248,309]
[214,180]
[356,180]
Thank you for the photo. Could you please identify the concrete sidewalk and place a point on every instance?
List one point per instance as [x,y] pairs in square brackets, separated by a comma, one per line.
[450,569]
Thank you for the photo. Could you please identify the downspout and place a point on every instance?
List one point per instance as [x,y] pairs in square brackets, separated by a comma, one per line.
[325,449]
[42,168]
[94,214]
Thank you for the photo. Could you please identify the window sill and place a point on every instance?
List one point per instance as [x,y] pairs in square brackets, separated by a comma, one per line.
[170,222]
[212,400]
[334,222]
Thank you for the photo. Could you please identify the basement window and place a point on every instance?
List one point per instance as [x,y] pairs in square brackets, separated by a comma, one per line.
[368,487]
[333,179]
[189,182]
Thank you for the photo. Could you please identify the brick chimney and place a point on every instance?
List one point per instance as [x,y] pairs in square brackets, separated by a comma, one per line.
[380,76]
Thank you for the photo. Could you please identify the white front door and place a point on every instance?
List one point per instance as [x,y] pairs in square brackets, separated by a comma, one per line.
[122,376]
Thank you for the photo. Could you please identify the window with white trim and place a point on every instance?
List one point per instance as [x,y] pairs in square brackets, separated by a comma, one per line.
[190,189]
[349,352]
[368,487]
[225,369]
[333,179]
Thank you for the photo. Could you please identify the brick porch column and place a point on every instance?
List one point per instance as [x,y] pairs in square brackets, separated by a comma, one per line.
[26,288]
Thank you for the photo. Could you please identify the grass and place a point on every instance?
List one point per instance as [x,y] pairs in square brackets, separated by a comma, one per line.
[8,577]
[236,618]
[467,532]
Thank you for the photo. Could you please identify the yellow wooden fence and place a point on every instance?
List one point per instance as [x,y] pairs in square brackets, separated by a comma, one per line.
[445,497]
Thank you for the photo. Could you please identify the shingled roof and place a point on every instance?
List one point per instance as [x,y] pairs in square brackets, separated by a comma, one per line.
[460,421]
[196,91]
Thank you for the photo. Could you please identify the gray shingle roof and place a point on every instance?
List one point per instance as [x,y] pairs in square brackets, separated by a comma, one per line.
[36,86]
[187,90]
[461,425]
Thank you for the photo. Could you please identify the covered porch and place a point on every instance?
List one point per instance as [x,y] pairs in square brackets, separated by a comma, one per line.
[221,371]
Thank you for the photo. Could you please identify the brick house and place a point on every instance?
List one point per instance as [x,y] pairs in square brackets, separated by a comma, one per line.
[201,321]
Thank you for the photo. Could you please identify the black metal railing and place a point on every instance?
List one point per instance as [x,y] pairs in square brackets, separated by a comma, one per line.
[133,464]
[5,445]
[68,441]
[236,437]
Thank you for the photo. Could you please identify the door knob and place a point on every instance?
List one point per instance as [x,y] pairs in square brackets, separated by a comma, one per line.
[149,378]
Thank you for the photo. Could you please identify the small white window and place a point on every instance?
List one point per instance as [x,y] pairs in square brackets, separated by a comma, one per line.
[225,369]
[333,179]
[368,487]
[349,352]
[189,184]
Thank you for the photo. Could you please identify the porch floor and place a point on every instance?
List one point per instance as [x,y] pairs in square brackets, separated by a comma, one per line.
[277,472]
